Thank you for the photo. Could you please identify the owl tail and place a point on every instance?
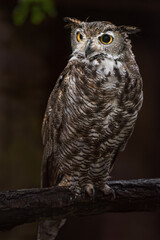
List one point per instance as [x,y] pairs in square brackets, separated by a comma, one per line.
[48,229]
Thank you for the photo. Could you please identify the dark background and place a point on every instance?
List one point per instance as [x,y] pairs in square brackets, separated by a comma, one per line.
[31,58]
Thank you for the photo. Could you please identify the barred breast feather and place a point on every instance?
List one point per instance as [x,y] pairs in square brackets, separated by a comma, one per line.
[88,120]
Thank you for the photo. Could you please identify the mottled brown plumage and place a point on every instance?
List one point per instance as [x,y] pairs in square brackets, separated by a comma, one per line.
[92,109]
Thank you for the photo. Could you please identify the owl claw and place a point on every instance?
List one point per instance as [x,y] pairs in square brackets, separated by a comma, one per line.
[90,190]
[108,190]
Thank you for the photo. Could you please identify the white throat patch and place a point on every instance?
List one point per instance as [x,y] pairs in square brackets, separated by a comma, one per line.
[106,66]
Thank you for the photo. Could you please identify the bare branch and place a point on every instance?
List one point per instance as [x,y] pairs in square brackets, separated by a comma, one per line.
[29,205]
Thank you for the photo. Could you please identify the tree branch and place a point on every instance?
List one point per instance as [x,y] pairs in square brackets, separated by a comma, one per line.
[29,205]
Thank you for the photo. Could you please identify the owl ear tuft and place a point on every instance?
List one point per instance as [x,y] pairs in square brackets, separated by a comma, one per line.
[129,29]
[72,22]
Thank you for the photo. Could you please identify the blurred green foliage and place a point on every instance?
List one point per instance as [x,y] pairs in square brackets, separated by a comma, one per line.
[35,10]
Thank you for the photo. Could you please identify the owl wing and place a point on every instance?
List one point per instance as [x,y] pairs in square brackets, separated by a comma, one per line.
[50,129]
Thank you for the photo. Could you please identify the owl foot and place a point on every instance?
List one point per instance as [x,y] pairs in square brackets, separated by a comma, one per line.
[90,190]
[108,190]
[65,182]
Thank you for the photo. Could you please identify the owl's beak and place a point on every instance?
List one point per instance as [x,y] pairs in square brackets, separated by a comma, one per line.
[88,49]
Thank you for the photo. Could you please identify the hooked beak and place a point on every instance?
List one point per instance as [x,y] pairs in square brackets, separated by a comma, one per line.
[88,49]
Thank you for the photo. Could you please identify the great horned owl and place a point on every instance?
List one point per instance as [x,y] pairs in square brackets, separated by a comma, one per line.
[91,111]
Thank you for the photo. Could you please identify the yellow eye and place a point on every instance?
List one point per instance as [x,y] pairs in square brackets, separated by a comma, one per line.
[106,39]
[79,37]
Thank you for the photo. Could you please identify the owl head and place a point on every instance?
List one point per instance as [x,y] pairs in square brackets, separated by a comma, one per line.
[93,38]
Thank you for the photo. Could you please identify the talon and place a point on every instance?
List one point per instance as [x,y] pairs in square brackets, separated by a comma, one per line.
[108,190]
[90,190]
